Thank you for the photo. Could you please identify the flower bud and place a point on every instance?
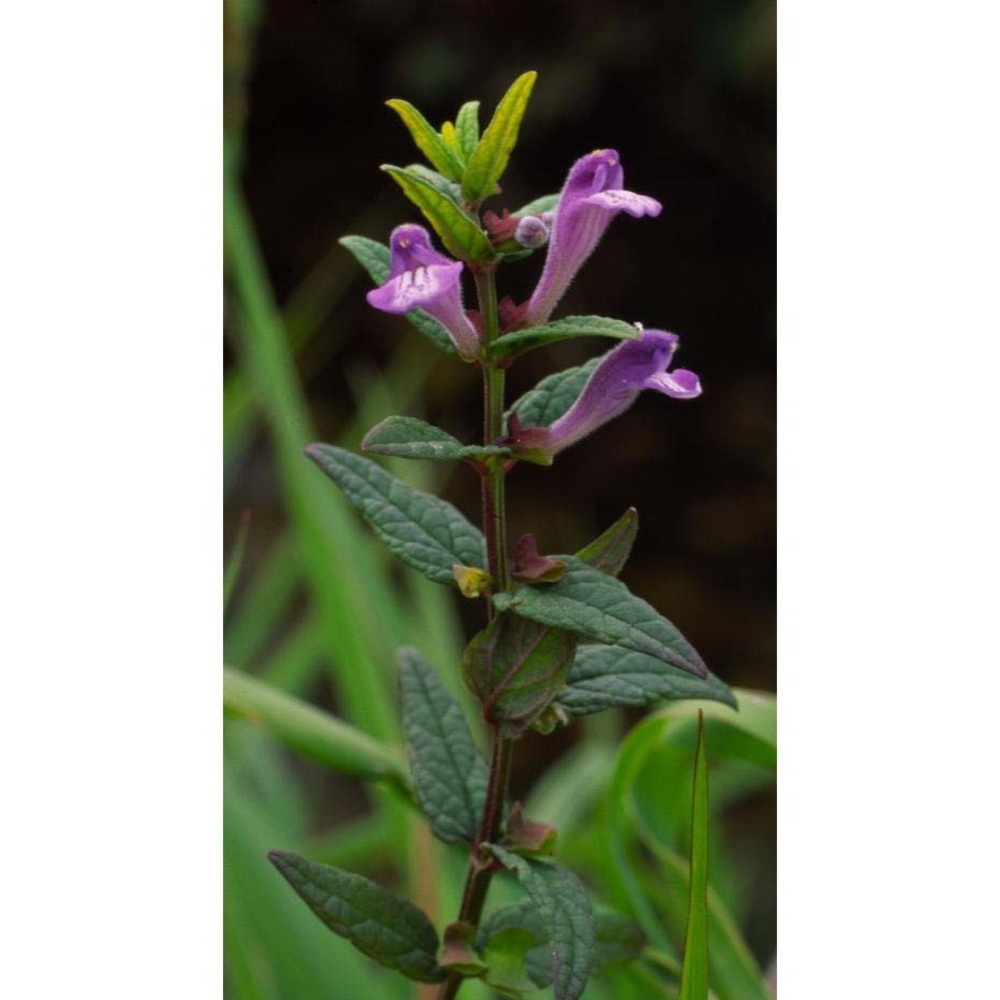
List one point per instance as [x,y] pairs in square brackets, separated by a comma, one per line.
[531,232]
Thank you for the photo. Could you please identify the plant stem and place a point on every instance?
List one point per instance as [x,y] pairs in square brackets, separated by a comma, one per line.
[481,869]
[494,513]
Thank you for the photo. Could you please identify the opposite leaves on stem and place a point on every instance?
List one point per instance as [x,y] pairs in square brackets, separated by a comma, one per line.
[600,608]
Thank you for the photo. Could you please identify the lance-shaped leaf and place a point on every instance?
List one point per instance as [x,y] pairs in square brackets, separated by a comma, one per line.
[554,395]
[411,438]
[427,139]
[489,160]
[516,667]
[694,976]
[439,181]
[449,774]
[510,345]
[425,531]
[598,607]
[459,232]
[610,550]
[467,127]
[616,938]
[604,677]
[450,137]
[374,258]
[384,926]
[566,916]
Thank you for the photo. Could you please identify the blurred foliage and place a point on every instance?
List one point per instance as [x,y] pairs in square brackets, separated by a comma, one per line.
[685,91]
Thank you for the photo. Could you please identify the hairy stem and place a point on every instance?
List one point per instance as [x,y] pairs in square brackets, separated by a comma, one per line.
[481,868]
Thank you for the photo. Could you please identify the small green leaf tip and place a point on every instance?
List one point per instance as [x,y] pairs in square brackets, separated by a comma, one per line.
[489,160]
[428,141]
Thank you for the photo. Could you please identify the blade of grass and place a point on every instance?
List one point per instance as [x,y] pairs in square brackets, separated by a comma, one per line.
[264,603]
[235,561]
[293,667]
[362,845]
[694,977]
[303,314]
[312,733]
[733,973]
[325,531]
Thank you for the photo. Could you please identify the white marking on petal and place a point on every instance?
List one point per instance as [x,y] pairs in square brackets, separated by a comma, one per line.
[636,205]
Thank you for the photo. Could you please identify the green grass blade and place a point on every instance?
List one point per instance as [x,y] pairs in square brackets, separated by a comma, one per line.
[235,562]
[694,978]
[326,539]
[294,665]
[310,732]
[263,604]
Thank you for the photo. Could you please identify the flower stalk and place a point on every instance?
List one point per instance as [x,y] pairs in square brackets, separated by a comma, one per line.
[493,474]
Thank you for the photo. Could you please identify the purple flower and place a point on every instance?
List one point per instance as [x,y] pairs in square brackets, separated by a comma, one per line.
[591,197]
[612,388]
[422,278]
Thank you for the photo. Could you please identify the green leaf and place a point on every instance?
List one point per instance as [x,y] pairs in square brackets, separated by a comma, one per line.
[311,732]
[450,137]
[733,972]
[694,977]
[610,550]
[459,232]
[510,345]
[374,258]
[425,531]
[370,254]
[750,735]
[432,145]
[611,677]
[516,667]
[547,203]
[616,938]
[384,926]
[489,160]
[467,127]
[600,608]
[449,774]
[412,438]
[505,955]
[448,188]
[232,572]
[512,256]
[553,396]
[565,914]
